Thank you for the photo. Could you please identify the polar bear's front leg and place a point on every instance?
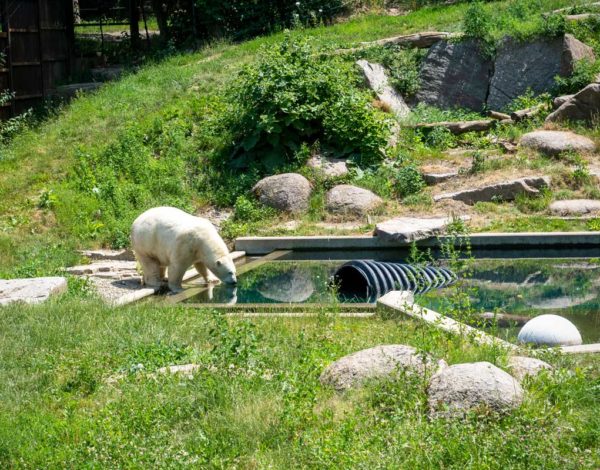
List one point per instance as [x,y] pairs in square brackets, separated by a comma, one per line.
[175,273]
[208,276]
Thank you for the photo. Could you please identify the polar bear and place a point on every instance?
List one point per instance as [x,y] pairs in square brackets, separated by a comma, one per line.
[168,238]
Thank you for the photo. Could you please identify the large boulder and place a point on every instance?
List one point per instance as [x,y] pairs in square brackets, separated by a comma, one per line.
[533,65]
[455,74]
[502,191]
[575,207]
[583,106]
[346,199]
[553,143]
[550,330]
[522,367]
[380,362]
[328,166]
[378,82]
[30,291]
[410,229]
[462,387]
[288,192]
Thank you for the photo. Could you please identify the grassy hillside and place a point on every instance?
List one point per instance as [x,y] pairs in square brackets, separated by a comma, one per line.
[156,137]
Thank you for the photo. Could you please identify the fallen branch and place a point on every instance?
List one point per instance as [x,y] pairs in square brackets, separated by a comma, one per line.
[528,113]
[587,5]
[460,127]
[497,115]
[582,16]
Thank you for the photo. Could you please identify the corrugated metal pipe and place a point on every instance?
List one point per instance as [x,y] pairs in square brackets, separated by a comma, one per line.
[372,279]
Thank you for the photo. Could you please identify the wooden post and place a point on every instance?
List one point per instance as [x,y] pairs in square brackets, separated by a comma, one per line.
[134,24]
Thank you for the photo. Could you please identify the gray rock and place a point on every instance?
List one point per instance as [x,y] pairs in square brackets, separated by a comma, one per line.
[583,106]
[560,100]
[462,387]
[110,269]
[521,66]
[575,207]
[455,74]
[109,255]
[346,199]
[288,192]
[503,191]
[522,367]
[556,142]
[550,330]
[437,178]
[30,291]
[409,229]
[290,286]
[330,167]
[380,362]
[378,82]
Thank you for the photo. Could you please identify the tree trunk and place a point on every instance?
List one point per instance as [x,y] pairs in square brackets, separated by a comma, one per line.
[160,11]
[76,12]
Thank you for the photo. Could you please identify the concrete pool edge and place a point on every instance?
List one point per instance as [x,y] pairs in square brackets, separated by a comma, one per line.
[403,302]
[264,245]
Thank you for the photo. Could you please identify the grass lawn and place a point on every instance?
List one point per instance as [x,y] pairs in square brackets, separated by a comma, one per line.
[256,402]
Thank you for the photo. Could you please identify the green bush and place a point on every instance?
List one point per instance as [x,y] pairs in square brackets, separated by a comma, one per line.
[584,73]
[402,66]
[408,181]
[291,96]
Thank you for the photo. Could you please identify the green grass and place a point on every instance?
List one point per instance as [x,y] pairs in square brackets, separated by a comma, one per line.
[257,401]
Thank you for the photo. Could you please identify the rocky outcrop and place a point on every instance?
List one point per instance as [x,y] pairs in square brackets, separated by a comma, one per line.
[554,143]
[288,192]
[522,367]
[346,199]
[109,255]
[433,178]
[455,74]
[410,229]
[31,291]
[574,207]
[522,66]
[502,191]
[460,388]
[330,167]
[550,330]
[583,106]
[378,82]
[378,363]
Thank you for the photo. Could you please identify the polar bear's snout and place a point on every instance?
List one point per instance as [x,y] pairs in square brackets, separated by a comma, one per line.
[225,270]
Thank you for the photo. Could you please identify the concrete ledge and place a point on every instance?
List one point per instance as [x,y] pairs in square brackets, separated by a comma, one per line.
[264,245]
[403,302]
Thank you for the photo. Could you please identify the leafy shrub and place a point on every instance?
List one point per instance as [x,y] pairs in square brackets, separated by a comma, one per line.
[408,181]
[292,96]
[402,66]
[584,73]
[440,138]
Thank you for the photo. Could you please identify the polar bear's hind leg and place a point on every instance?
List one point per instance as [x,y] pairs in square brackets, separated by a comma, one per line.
[151,271]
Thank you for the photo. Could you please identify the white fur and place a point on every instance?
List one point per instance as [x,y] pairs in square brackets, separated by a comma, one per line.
[168,238]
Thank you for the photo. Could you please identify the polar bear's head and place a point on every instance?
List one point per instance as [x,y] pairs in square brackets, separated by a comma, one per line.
[224,269]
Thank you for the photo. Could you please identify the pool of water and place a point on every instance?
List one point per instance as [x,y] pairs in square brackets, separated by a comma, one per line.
[569,287]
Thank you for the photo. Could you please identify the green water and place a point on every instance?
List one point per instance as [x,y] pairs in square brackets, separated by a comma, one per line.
[566,287]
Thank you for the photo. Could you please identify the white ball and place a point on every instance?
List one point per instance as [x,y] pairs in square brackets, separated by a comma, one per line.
[550,330]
